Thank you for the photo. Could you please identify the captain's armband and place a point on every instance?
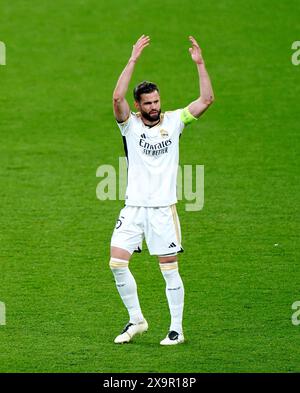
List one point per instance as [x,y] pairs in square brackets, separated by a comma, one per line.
[186,117]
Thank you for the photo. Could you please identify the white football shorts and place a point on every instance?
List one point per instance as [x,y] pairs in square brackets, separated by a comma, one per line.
[159,226]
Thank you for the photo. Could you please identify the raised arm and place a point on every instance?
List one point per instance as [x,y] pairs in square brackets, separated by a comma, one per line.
[206,94]
[121,106]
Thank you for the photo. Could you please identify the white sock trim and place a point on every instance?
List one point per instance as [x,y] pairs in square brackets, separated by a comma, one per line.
[118,263]
[168,266]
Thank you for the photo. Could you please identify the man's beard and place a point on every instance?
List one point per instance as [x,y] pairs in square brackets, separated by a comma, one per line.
[153,117]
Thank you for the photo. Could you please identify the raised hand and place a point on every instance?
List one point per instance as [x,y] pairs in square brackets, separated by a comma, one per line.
[195,51]
[139,46]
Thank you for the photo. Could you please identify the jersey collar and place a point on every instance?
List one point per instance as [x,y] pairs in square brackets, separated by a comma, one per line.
[138,114]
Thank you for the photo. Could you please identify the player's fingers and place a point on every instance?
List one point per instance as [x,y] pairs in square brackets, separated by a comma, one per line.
[193,41]
[143,44]
[140,39]
[146,39]
[143,41]
[140,49]
[143,38]
[143,47]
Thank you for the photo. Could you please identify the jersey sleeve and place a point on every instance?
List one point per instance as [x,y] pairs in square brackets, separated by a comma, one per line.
[125,125]
[178,120]
[175,118]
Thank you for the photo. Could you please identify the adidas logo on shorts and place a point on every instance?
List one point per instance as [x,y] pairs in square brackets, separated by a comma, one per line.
[172,245]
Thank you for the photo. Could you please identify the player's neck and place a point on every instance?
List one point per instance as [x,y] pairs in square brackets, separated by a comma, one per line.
[150,123]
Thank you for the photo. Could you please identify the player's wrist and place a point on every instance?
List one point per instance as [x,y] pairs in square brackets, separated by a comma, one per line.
[132,60]
[200,62]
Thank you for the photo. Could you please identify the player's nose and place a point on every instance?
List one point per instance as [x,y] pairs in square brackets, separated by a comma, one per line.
[153,107]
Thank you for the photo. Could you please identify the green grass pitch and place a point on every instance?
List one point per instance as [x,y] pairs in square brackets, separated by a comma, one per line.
[57,128]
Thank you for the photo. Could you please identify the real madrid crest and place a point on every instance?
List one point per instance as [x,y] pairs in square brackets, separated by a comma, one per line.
[164,133]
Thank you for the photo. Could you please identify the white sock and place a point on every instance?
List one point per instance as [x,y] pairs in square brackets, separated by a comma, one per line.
[127,288]
[175,293]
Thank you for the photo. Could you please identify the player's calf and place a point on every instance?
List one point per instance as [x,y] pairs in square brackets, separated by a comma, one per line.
[127,289]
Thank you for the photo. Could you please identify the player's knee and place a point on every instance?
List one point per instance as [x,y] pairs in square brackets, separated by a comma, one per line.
[119,259]
[168,259]
[119,253]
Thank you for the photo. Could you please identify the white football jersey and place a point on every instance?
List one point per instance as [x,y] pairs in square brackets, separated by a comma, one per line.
[152,159]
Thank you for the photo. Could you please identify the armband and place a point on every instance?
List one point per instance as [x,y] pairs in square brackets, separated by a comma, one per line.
[186,117]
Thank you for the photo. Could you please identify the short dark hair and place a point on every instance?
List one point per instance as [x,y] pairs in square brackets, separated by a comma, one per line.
[144,88]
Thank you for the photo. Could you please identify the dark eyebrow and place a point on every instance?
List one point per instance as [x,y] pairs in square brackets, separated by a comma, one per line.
[150,102]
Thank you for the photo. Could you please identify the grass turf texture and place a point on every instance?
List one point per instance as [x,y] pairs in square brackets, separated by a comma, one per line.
[57,127]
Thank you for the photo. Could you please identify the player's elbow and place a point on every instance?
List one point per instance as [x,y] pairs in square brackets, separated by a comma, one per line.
[117,97]
[208,101]
[211,100]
